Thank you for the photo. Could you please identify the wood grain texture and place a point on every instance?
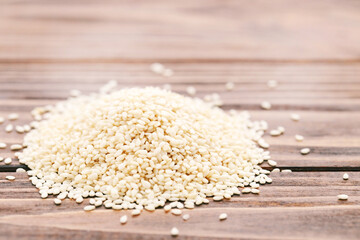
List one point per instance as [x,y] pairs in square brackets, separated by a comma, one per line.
[311,48]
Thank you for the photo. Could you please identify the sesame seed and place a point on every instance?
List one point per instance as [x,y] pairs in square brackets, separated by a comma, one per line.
[343,197]
[246,190]
[276,170]
[27,128]
[9,128]
[281,129]
[16,147]
[299,138]
[191,90]
[176,212]
[272,83]
[275,133]
[13,116]
[2,145]
[10,178]
[8,161]
[346,176]
[286,171]
[19,129]
[186,217]
[79,200]
[44,195]
[167,208]
[272,163]
[263,144]
[174,232]
[305,151]
[123,219]
[2,119]
[89,208]
[229,86]
[295,117]
[265,105]
[255,191]
[135,212]
[157,68]
[20,170]
[222,216]
[218,198]
[57,201]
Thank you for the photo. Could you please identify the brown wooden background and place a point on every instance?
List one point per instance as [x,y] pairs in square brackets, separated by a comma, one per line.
[311,48]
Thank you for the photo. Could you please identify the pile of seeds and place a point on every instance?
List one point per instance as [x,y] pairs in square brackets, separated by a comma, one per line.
[141,147]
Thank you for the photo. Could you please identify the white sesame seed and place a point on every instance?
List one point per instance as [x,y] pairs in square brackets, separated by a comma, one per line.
[266,105]
[9,128]
[299,138]
[295,117]
[222,216]
[19,129]
[174,232]
[229,86]
[20,170]
[168,72]
[89,208]
[218,198]
[57,201]
[176,212]
[255,191]
[186,217]
[79,200]
[246,190]
[8,161]
[263,144]
[13,116]
[44,195]
[276,170]
[275,133]
[281,129]
[272,83]
[346,176]
[135,212]
[286,171]
[150,207]
[16,147]
[157,68]
[27,128]
[2,145]
[10,178]
[191,90]
[343,197]
[305,151]
[98,203]
[123,219]
[167,208]
[2,119]
[272,163]
[117,207]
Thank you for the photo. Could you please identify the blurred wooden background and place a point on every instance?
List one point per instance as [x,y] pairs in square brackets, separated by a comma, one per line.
[311,48]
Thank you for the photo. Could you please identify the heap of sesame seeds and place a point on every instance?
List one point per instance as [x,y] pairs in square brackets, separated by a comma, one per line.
[141,147]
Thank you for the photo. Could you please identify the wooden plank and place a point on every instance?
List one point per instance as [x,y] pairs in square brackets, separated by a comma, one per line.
[294,206]
[201,29]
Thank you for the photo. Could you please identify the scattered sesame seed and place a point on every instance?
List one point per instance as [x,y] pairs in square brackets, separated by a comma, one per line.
[16,147]
[19,129]
[150,207]
[27,128]
[222,216]
[272,163]
[186,217]
[276,170]
[135,212]
[295,117]
[229,86]
[305,151]
[174,232]
[263,144]
[123,219]
[2,119]
[79,200]
[8,161]
[89,208]
[20,170]
[266,105]
[191,90]
[343,197]
[299,138]
[176,212]
[44,195]
[218,198]
[157,68]
[167,208]
[168,72]
[272,83]
[286,171]
[255,191]
[346,176]
[57,201]
[246,190]
[275,133]
[13,116]
[10,178]
[281,129]
[9,128]
[2,145]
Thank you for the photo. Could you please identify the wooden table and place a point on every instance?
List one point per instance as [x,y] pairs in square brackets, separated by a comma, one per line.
[311,48]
